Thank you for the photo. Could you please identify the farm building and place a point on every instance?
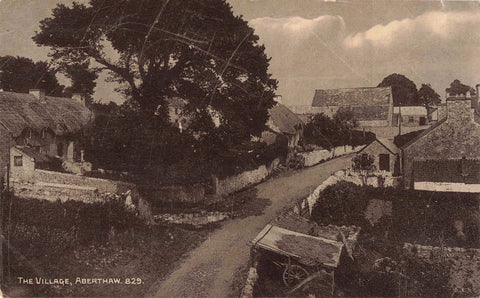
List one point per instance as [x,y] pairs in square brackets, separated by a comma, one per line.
[51,126]
[372,106]
[444,157]
[385,153]
[283,122]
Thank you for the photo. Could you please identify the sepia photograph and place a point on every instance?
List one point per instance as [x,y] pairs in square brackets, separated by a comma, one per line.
[239,148]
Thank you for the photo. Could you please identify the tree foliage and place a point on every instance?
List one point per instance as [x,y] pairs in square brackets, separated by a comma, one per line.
[196,50]
[328,132]
[83,81]
[20,74]
[457,88]
[404,91]
[363,162]
[427,96]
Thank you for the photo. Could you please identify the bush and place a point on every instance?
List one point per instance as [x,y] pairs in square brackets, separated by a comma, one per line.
[341,204]
[69,222]
[417,216]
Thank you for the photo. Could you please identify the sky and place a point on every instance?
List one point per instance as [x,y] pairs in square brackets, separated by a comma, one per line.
[322,44]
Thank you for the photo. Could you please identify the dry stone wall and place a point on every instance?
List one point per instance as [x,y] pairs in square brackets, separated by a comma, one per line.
[314,157]
[305,206]
[238,182]
[103,185]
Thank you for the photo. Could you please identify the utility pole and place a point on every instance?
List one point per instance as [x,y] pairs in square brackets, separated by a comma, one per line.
[400,118]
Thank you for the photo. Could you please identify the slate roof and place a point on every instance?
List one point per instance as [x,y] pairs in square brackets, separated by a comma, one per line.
[62,115]
[284,119]
[365,96]
[388,144]
[424,133]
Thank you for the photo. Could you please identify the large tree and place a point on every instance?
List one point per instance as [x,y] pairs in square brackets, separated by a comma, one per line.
[20,74]
[83,80]
[196,50]
[404,91]
[427,96]
[456,88]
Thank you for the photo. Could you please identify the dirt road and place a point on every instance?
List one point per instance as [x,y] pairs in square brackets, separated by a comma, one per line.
[209,269]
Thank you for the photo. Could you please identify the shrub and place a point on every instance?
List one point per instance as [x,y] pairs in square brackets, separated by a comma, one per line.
[69,222]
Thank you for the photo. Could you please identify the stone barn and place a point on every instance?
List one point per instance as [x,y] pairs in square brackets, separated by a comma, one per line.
[385,153]
[50,126]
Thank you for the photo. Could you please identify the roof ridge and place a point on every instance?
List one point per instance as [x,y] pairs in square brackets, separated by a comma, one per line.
[386,87]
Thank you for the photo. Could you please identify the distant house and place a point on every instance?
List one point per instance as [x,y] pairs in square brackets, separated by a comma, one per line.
[385,153]
[283,122]
[444,157]
[410,116]
[50,126]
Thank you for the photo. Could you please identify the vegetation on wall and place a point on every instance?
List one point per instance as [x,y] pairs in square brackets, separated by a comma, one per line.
[417,216]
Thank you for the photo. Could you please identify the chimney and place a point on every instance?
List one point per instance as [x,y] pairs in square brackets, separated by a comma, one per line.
[39,94]
[459,109]
[79,97]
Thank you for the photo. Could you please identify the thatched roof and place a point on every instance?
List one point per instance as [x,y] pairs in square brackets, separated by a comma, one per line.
[283,120]
[366,96]
[61,115]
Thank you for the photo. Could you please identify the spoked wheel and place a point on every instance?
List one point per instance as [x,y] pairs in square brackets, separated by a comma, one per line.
[293,275]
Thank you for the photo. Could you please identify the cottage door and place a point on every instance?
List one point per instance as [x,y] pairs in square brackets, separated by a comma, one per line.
[384,162]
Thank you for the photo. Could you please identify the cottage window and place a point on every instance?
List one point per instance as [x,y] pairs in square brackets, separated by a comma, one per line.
[410,119]
[18,161]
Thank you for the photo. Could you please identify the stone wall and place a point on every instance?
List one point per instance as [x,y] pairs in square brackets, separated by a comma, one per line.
[314,157]
[179,193]
[464,266]
[53,192]
[243,180]
[103,185]
[378,179]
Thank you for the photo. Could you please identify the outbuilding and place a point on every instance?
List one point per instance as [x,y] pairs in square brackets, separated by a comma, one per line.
[385,153]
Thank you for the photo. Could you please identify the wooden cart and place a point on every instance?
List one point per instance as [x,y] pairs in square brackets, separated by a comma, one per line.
[302,257]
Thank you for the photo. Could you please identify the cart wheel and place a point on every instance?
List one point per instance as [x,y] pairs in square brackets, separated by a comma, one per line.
[293,275]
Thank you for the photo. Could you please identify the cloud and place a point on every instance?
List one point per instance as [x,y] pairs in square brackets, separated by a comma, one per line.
[307,54]
[298,28]
[445,27]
